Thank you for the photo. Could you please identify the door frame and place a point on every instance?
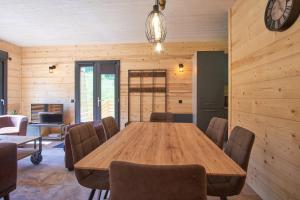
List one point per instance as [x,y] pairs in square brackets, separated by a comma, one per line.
[4,59]
[97,86]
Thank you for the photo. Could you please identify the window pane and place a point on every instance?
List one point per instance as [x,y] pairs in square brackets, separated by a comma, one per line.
[107,95]
[86,94]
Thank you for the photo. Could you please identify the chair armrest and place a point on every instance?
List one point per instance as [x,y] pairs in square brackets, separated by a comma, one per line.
[23,126]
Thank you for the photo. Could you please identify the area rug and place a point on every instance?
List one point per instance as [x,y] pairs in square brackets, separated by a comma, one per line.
[61,145]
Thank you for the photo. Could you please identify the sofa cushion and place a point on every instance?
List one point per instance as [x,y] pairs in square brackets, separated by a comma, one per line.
[5,121]
[18,121]
[9,131]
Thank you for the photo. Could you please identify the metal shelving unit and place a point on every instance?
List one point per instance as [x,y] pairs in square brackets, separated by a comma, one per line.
[155,74]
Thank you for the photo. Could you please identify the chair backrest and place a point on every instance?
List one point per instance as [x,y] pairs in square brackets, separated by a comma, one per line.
[83,140]
[96,124]
[8,168]
[110,126]
[238,148]
[130,181]
[217,131]
[162,117]
[68,151]
[100,131]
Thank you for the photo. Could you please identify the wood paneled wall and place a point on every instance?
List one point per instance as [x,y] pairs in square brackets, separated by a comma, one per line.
[14,76]
[38,86]
[265,88]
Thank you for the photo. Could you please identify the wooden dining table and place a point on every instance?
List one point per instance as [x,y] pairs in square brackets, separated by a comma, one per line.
[162,144]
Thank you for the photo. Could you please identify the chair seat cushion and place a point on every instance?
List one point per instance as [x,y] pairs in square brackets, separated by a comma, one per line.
[96,180]
[9,130]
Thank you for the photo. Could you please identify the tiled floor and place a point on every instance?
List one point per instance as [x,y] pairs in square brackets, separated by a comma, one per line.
[50,180]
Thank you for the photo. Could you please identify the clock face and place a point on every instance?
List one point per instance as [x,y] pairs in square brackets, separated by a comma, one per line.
[281,14]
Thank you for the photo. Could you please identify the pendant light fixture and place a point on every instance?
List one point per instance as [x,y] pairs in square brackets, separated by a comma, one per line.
[156,29]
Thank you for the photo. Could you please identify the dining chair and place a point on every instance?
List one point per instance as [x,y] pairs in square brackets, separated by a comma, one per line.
[83,140]
[69,163]
[217,131]
[8,169]
[162,117]
[131,181]
[110,126]
[238,148]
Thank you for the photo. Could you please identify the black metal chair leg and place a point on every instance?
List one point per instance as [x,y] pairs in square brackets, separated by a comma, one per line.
[6,197]
[223,198]
[106,193]
[99,194]
[92,194]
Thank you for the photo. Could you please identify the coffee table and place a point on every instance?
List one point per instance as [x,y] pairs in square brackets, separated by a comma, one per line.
[35,153]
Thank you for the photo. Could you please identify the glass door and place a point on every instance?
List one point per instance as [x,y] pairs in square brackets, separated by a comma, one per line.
[3,82]
[108,95]
[86,92]
[97,90]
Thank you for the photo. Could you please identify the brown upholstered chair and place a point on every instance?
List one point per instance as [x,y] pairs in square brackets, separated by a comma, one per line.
[147,182]
[217,131]
[110,126]
[69,164]
[238,148]
[83,140]
[8,169]
[13,125]
[162,117]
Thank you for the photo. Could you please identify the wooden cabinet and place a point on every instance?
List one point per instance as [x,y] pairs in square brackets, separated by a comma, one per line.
[210,83]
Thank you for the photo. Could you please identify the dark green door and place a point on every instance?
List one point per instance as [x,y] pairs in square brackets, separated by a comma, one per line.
[3,82]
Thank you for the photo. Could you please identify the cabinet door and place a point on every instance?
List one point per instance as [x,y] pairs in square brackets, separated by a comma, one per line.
[206,114]
[211,83]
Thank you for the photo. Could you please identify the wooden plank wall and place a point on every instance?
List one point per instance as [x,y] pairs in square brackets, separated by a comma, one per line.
[14,76]
[38,86]
[265,81]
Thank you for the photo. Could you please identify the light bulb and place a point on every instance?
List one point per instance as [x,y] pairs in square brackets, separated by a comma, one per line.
[156,24]
[158,47]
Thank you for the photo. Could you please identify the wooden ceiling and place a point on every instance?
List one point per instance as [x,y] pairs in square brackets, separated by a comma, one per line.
[61,22]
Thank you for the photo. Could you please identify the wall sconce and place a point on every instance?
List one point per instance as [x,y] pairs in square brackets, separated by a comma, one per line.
[181,66]
[52,68]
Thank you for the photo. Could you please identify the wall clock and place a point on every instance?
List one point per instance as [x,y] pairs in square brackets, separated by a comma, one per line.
[281,14]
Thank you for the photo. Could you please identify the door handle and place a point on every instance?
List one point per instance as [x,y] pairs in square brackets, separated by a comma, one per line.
[98,101]
[2,102]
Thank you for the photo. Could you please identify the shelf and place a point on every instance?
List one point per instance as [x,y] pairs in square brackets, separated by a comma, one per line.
[148,90]
[149,73]
[146,84]
[25,152]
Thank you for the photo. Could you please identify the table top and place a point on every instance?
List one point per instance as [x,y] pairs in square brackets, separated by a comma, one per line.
[19,140]
[162,144]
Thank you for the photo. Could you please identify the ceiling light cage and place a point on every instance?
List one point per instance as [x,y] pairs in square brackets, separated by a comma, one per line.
[156,29]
